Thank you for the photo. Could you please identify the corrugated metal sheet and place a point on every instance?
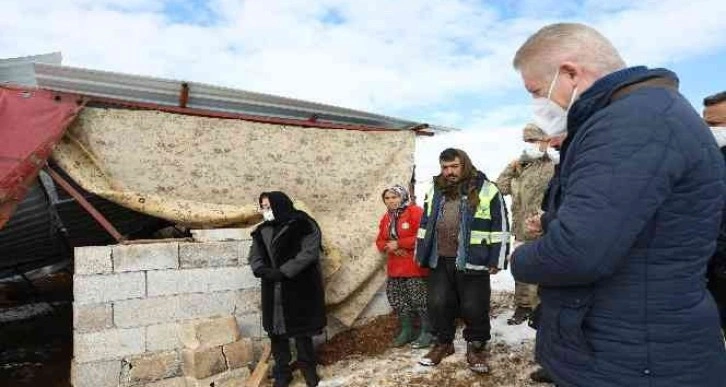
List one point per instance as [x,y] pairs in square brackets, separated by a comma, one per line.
[201,96]
[33,237]
[18,70]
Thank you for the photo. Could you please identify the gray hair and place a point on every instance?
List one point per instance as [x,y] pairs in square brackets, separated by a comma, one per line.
[555,43]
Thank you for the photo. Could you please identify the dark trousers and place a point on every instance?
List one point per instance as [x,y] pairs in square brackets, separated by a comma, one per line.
[717,287]
[280,346]
[454,293]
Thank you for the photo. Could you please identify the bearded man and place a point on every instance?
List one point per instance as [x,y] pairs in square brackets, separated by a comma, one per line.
[463,238]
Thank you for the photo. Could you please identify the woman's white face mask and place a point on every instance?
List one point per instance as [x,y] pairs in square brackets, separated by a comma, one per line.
[548,115]
[719,133]
[267,215]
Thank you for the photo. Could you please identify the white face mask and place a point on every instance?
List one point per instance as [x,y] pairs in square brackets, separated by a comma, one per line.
[548,115]
[267,215]
[719,132]
[532,151]
[554,155]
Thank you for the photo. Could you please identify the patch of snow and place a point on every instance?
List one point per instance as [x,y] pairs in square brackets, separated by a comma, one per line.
[503,281]
[511,335]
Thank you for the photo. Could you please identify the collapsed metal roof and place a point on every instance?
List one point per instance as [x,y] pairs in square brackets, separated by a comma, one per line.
[46,72]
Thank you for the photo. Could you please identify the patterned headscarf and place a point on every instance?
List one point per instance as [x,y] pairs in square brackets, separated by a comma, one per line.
[401,192]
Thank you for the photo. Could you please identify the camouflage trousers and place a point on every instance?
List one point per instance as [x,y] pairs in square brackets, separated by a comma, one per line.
[525,295]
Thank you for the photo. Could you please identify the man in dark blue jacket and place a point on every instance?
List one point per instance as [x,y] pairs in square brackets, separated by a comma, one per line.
[714,113]
[637,208]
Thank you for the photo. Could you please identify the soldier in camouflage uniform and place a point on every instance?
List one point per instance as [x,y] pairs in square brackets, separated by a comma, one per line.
[525,180]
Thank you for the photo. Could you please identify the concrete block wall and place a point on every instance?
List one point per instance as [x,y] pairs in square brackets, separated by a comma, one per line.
[164,314]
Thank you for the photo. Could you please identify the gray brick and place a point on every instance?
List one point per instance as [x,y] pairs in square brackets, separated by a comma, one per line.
[200,255]
[222,234]
[107,345]
[152,256]
[96,374]
[173,382]
[250,325]
[105,288]
[150,367]
[133,313]
[247,301]
[170,282]
[92,317]
[92,260]
[162,337]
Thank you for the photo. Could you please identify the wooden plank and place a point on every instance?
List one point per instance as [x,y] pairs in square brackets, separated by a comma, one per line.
[260,372]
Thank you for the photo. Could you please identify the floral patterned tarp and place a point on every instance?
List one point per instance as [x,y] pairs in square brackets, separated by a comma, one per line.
[208,172]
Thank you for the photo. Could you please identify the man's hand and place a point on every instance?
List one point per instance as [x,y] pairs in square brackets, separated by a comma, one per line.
[533,225]
[391,246]
[400,252]
[493,270]
[270,274]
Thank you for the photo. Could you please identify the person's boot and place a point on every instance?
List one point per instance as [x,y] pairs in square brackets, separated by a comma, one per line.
[406,335]
[521,314]
[437,353]
[477,357]
[282,376]
[425,337]
[540,376]
[310,374]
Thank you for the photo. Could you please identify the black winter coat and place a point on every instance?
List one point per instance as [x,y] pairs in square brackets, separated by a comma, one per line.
[294,306]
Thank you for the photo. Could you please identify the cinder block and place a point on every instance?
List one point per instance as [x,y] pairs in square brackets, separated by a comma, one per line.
[152,256]
[104,288]
[92,260]
[158,310]
[96,374]
[250,325]
[92,317]
[222,234]
[238,354]
[209,332]
[248,301]
[150,368]
[169,282]
[203,363]
[162,337]
[215,254]
[107,345]
[231,378]
[173,382]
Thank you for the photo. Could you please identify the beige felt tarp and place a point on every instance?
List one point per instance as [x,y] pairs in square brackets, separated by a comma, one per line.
[208,172]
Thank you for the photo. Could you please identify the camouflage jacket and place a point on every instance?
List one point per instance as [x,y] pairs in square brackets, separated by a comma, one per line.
[526,185]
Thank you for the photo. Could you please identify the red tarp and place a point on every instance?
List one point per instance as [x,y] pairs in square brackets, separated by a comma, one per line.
[31,123]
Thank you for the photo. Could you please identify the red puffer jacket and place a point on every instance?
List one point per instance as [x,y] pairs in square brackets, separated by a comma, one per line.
[402,265]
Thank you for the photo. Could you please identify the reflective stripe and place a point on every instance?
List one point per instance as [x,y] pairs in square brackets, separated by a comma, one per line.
[499,237]
[478,237]
[505,226]
[469,266]
[427,202]
[421,234]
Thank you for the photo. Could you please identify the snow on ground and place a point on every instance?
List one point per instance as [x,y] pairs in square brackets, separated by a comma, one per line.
[503,282]
[511,361]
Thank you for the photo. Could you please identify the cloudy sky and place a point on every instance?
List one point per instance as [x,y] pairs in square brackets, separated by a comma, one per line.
[446,62]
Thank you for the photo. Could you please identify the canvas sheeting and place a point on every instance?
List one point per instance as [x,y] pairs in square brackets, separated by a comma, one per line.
[208,172]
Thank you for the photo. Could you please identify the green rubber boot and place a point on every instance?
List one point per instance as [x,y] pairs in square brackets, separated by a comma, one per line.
[425,338]
[406,335]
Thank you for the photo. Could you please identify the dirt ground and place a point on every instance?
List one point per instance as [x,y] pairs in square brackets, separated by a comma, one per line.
[363,357]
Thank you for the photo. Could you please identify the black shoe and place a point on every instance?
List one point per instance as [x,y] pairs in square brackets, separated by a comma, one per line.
[540,376]
[521,314]
[310,374]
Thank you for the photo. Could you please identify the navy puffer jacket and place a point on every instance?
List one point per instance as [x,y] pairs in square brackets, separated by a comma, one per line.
[622,265]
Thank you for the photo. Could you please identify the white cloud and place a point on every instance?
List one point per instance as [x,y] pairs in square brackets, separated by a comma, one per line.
[384,56]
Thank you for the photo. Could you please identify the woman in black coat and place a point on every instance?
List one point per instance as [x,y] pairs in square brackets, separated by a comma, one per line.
[285,254]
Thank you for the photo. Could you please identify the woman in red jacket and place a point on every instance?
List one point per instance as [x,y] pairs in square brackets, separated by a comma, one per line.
[406,285]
